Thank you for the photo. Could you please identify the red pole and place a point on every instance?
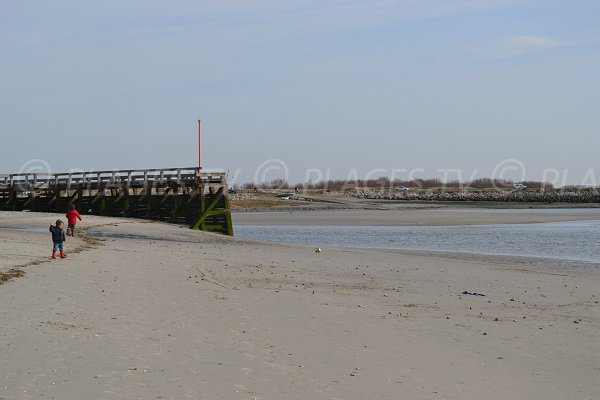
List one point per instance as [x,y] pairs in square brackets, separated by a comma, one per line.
[199,145]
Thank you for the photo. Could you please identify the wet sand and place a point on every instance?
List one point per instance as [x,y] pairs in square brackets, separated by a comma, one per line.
[414,216]
[149,310]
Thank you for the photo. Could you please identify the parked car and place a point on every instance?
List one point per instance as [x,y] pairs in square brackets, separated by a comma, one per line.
[400,188]
[518,186]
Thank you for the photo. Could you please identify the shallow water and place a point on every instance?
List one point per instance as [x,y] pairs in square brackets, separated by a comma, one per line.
[577,241]
[26,228]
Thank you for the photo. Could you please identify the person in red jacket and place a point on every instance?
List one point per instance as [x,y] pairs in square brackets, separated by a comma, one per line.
[72,216]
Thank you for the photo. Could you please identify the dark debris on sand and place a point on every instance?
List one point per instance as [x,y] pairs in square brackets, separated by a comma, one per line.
[11,274]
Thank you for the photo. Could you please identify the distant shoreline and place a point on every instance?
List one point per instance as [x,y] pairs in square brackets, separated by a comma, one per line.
[274,201]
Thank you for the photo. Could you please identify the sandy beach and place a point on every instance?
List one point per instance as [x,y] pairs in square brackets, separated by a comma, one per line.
[143,310]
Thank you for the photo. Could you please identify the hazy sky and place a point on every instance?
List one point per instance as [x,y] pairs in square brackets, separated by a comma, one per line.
[329,88]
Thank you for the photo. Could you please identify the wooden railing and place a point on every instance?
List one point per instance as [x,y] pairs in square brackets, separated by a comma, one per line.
[136,177]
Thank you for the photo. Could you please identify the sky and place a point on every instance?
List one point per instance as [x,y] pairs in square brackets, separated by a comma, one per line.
[304,89]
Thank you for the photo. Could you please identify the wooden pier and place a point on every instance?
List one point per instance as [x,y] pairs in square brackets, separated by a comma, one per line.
[179,195]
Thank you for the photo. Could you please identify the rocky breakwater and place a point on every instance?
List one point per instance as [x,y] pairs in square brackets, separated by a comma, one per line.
[529,196]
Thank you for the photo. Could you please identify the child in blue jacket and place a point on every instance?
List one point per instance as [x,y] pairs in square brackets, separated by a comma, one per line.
[58,239]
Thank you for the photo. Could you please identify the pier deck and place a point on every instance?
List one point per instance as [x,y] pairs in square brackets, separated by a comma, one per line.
[179,195]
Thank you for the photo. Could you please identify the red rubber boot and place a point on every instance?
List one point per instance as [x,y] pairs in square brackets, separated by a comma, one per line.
[53,255]
[62,254]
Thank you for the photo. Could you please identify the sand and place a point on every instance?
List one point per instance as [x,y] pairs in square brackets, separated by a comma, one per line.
[147,310]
